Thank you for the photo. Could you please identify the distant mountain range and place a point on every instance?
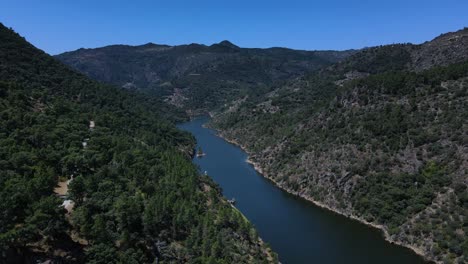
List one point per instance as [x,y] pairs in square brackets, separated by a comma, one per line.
[194,76]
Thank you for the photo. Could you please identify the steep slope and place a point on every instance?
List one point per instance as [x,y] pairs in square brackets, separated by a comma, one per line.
[197,77]
[137,197]
[381,137]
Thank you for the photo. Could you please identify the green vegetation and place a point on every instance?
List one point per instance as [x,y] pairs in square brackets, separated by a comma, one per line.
[373,138]
[393,198]
[380,59]
[206,77]
[138,198]
[380,135]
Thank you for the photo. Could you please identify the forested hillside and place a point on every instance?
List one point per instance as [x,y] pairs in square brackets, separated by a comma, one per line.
[137,197]
[381,136]
[196,77]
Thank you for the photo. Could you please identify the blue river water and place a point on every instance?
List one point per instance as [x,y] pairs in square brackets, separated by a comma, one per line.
[297,230]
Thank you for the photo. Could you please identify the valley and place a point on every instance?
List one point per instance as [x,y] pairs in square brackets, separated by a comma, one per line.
[377,134]
[299,231]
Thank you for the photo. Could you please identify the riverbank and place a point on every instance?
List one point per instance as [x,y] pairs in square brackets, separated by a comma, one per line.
[382,228]
[271,256]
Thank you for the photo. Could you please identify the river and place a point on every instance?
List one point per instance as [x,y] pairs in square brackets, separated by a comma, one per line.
[299,231]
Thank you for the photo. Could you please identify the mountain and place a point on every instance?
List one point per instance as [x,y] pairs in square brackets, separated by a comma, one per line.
[377,134]
[197,77]
[380,137]
[133,194]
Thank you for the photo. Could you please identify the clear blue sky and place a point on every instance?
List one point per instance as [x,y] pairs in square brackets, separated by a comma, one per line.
[62,25]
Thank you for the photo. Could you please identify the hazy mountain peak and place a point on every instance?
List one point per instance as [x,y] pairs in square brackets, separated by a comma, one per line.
[227,43]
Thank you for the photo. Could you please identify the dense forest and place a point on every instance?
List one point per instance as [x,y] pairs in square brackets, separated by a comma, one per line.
[137,197]
[381,136]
